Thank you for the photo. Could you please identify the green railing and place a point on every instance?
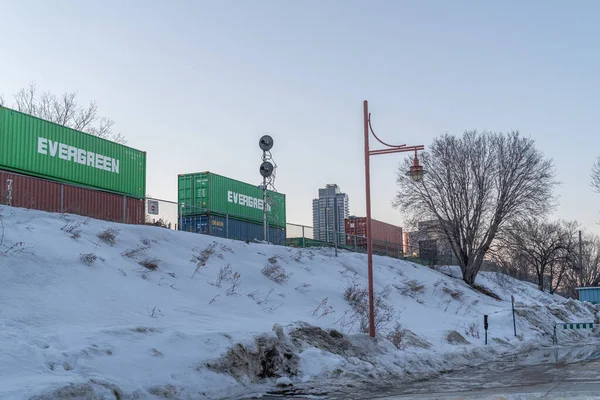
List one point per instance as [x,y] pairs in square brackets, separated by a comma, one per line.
[569,326]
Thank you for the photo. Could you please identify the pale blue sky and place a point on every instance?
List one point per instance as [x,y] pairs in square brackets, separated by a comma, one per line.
[196,83]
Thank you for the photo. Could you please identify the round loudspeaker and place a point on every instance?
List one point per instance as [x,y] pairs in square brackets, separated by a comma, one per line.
[266,143]
[266,169]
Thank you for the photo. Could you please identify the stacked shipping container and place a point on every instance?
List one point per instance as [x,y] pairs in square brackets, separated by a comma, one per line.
[230,228]
[386,238]
[220,206]
[18,190]
[50,167]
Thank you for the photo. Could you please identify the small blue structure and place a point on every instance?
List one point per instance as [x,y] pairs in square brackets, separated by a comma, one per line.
[590,294]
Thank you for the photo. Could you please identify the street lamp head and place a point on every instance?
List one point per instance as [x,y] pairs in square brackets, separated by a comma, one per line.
[416,170]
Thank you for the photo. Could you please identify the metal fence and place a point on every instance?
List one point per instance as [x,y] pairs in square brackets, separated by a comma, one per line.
[165,213]
[302,236]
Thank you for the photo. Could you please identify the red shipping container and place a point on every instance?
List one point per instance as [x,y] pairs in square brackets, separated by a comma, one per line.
[381,233]
[27,192]
[39,194]
[136,211]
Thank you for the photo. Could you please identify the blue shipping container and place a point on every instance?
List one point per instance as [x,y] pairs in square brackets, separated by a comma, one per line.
[591,294]
[230,228]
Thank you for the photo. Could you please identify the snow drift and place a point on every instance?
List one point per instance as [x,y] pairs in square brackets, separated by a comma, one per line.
[92,309]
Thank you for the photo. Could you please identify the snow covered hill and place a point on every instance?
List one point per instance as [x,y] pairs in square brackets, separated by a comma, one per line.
[92,309]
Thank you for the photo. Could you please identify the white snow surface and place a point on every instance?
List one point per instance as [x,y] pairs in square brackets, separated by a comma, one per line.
[115,329]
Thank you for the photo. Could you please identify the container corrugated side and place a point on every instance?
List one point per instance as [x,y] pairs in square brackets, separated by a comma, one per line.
[24,191]
[103,205]
[380,231]
[230,228]
[386,238]
[136,211]
[214,194]
[40,194]
[34,146]
[589,294]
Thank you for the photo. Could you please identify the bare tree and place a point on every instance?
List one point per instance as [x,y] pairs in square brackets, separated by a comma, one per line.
[588,274]
[596,175]
[590,258]
[560,269]
[474,185]
[510,262]
[549,248]
[25,100]
[1,100]
[66,110]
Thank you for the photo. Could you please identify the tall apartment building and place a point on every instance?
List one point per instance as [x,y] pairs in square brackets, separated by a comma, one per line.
[330,211]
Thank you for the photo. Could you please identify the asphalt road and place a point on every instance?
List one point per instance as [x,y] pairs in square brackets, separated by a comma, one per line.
[549,373]
[579,380]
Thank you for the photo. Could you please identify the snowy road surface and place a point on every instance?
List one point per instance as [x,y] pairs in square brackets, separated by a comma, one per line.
[580,380]
[550,373]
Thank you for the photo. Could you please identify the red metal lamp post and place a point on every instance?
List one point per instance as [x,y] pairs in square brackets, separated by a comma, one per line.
[416,173]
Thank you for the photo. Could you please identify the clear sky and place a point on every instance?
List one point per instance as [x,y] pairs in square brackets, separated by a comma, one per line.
[196,83]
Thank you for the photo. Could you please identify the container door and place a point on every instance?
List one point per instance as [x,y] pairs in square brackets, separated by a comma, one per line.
[202,192]
[185,194]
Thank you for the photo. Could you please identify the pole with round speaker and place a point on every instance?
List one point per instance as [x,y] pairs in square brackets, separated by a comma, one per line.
[266,170]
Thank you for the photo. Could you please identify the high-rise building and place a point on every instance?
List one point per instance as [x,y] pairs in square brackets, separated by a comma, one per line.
[329,213]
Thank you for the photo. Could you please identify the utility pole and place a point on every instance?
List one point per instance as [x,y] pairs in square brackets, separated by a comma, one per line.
[580,260]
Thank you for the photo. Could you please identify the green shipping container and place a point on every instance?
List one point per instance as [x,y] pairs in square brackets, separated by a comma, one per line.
[41,148]
[206,192]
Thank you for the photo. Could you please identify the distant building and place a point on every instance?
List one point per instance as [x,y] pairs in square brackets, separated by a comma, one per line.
[329,214]
[428,242]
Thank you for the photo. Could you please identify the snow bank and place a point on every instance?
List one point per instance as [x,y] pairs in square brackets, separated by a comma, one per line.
[103,310]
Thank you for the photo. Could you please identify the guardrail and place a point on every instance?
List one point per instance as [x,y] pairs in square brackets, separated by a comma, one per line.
[571,325]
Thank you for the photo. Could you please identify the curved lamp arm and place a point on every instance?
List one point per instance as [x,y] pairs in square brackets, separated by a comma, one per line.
[379,140]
